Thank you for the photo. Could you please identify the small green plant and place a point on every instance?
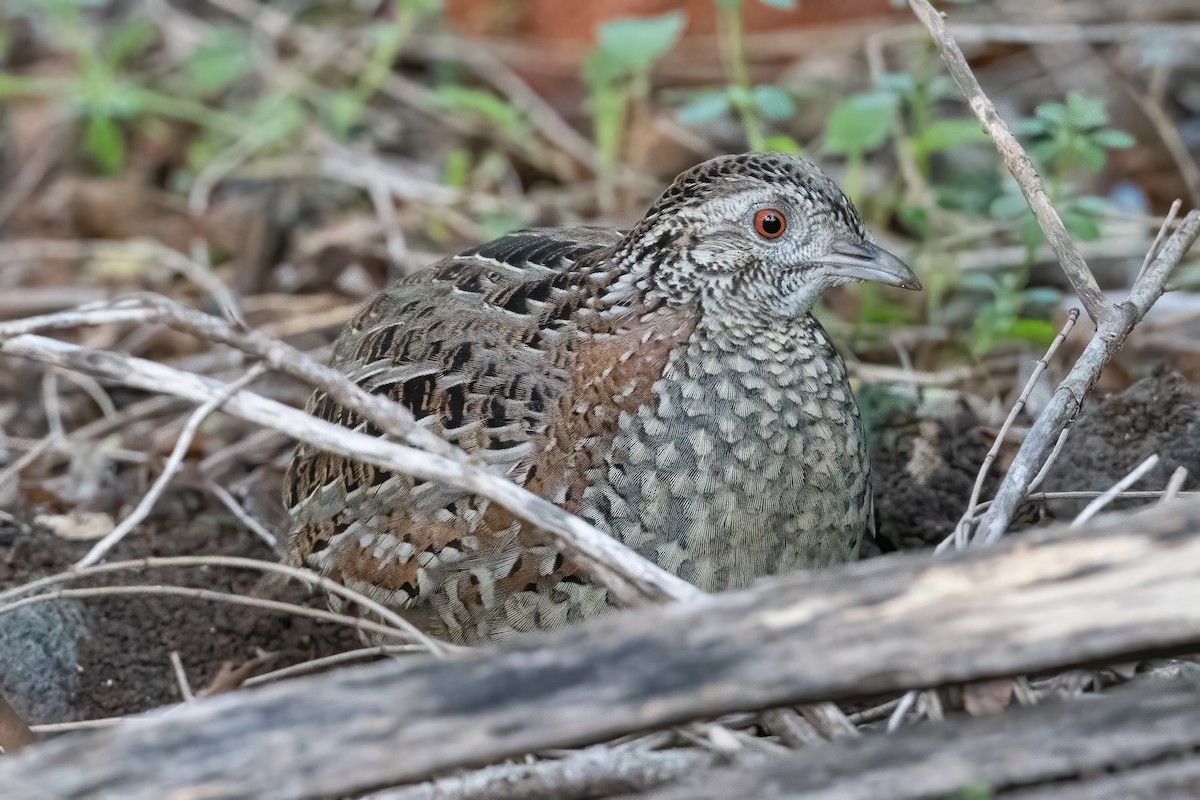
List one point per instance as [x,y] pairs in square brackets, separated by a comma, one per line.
[617,76]
[344,109]
[1065,140]
[859,125]
[752,105]
[1009,313]
[904,105]
[99,93]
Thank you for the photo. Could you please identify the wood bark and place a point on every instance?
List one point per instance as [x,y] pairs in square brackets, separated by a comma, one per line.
[1133,742]
[1116,589]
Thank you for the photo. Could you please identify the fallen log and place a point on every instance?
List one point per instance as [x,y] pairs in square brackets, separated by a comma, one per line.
[1132,742]
[1117,588]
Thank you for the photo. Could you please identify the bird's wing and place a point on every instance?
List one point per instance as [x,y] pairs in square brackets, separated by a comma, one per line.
[484,349]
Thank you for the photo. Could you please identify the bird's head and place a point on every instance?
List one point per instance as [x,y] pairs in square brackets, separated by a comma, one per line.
[765,231]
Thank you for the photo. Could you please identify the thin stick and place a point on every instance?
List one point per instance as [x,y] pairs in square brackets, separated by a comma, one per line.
[1050,459]
[902,708]
[316,664]
[1175,484]
[181,679]
[305,576]
[50,403]
[173,465]
[230,502]
[1018,163]
[876,713]
[157,590]
[1068,398]
[968,516]
[1158,238]
[93,389]
[13,470]
[82,725]
[1096,506]
[630,576]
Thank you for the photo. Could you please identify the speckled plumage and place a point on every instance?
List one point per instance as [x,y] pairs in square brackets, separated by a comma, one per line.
[666,384]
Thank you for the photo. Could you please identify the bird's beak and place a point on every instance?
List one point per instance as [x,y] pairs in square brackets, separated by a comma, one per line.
[869,262]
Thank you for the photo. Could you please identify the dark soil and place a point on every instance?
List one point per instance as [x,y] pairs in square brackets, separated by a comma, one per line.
[1159,414]
[923,472]
[81,659]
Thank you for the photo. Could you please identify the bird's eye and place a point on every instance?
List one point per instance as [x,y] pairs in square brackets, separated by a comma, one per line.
[770,223]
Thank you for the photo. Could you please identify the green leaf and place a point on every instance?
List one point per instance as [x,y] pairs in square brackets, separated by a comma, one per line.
[1029,126]
[1085,113]
[482,104]
[130,38]
[915,219]
[896,82]
[222,58]
[704,108]
[1037,331]
[861,123]
[457,169]
[1090,155]
[497,223]
[1008,206]
[1091,204]
[1082,226]
[600,69]
[635,44]
[419,6]
[104,143]
[979,281]
[1053,114]
[1111,139]
[946,134]
[344,111]
[276,117]
[773,102]
[782,144]
[1041,296]
[942,87]
[786,5]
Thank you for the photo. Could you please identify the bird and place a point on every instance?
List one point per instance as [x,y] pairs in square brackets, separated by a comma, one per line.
[668,384]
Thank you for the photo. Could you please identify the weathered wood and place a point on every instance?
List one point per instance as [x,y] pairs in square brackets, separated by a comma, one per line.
[1050,752]
[1115,589]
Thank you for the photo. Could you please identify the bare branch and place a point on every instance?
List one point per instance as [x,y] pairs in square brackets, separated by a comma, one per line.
[173,465]
[1068,397]
[1018,163]
[629,575]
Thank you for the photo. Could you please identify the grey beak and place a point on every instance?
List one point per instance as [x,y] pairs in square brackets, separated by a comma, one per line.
[869,262]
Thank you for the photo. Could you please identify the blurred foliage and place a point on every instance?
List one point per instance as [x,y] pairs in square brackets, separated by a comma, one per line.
[906,148]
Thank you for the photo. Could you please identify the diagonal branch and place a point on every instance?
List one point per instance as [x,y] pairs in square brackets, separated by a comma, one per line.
[1018,163]
[1068,397]
[632,577]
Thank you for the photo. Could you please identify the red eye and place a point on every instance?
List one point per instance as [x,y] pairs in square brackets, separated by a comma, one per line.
[770,223]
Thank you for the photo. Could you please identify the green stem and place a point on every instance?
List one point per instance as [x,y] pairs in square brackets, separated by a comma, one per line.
[380,64]
[739,68]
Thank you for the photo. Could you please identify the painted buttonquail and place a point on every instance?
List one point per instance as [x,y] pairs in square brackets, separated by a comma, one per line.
[668,384]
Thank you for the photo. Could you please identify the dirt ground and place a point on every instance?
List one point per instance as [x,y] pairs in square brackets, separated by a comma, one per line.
[69,659]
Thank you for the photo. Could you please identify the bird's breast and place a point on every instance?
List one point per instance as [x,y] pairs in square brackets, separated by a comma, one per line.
[748,460]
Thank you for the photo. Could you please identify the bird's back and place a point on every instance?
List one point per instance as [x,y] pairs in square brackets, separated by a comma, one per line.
[488,349]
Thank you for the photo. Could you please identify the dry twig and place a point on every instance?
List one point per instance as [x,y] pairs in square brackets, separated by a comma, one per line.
[1113,322]
[1018,163]
[628,574]
[173,465]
